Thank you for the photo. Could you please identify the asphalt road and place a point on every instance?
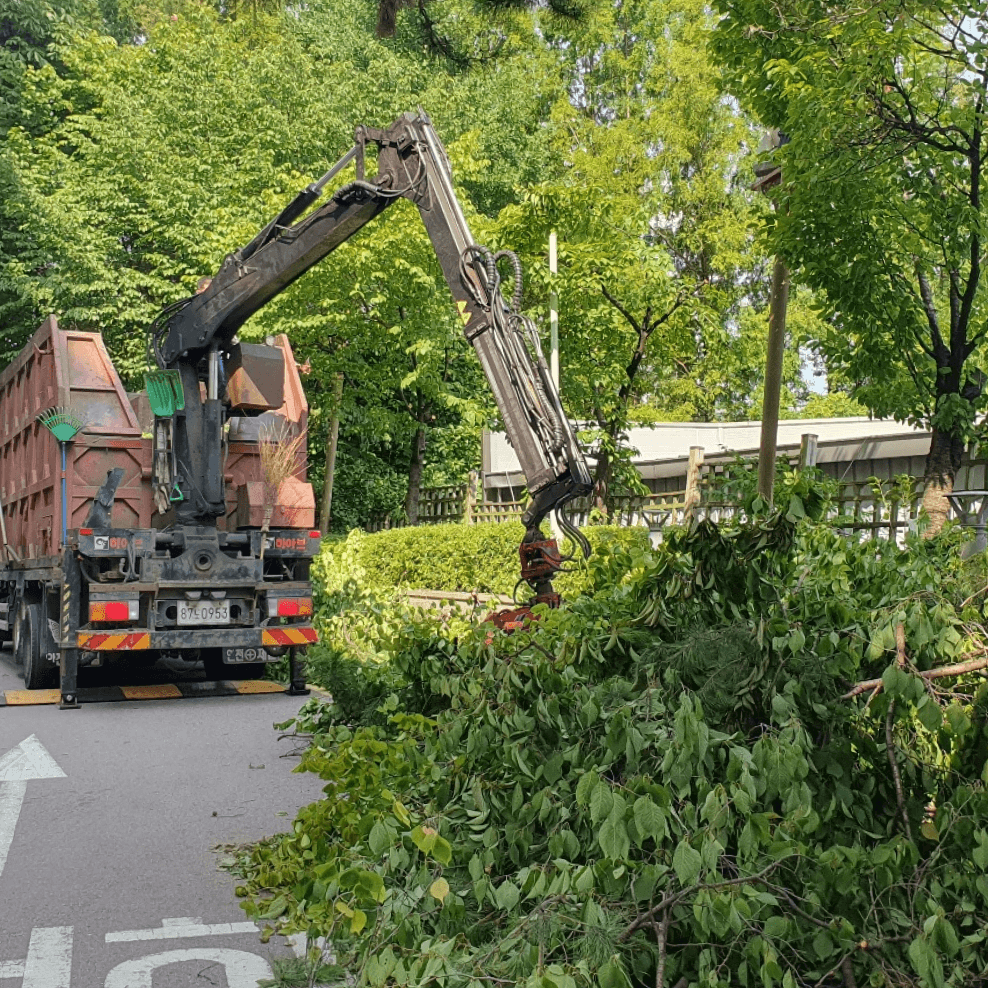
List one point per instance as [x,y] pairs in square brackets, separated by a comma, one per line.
[109,817]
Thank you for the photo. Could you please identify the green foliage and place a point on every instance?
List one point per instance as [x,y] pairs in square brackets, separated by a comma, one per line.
[664,780]
[480,558]
[298,972]
[878,213]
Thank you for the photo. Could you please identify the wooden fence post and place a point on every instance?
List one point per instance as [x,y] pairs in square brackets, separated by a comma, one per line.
[807,450]
[693,483]
[470,500]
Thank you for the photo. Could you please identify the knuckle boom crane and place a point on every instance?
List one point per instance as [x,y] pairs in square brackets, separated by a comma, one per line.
[192,337]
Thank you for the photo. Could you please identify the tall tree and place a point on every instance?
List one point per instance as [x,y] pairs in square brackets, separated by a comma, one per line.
[659,275]
[168,154]
[884,105]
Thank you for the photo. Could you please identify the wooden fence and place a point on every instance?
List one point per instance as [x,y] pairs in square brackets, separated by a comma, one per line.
[863,509]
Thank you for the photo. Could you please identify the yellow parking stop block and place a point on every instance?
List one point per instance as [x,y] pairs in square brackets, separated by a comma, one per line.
[164,692]
[259,686]
[27,698]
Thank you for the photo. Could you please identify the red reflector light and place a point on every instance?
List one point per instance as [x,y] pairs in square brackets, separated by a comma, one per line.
[85,531]
[113,610]
[315,535]
[294,607]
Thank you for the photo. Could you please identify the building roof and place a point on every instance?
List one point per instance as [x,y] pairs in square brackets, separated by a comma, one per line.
[663,449]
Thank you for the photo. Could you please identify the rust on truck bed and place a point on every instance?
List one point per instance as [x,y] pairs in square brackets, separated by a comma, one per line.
[73,370]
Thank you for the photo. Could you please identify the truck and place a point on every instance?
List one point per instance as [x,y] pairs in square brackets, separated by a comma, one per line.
[139,539]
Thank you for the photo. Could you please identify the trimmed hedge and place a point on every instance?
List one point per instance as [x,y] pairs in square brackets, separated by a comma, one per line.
[480,558]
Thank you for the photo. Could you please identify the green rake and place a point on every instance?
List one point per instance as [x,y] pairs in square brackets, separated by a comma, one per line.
[64,426]
[61,423]
[165,392]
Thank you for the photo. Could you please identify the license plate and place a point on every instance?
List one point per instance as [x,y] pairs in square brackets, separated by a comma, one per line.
[204,612]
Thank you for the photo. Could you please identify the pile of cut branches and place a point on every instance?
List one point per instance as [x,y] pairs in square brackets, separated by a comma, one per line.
[750,758]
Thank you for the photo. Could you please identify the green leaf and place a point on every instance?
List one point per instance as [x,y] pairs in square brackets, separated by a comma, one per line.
[686,861]
[926,963]
[929,713]
[612,975]
[380,839]
[506,895]
[649,820]
[601,801]
[442,851]
[585,786]
[275,909]
[424,838]
[613,836]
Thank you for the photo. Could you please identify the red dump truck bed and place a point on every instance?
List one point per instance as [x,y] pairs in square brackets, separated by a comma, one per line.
[80,586]
[72,370]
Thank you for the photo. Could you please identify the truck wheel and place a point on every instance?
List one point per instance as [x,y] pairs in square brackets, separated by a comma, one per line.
[39,673]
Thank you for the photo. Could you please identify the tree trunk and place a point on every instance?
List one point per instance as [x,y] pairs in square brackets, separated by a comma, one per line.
[942,464]
[387,17]
[326,508]
[415,476]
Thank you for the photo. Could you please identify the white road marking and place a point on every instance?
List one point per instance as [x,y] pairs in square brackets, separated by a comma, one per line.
[179,928]
[11,969]
[300,944]
[29,760]
[243,970]
[11,800]
[49,958]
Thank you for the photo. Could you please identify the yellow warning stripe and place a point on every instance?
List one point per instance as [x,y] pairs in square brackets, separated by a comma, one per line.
[288,636]
[259,686]
[105,642]
[164,692]
[27,698]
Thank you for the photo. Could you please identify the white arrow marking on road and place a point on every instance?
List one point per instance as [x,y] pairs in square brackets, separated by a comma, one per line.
[179,929]
[29,760]
[49,956]
[243,970]
[49,959]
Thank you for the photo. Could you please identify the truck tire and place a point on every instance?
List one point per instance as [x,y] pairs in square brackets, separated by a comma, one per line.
[38,672]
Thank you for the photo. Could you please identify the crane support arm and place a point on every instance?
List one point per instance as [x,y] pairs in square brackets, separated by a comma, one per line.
[411,164]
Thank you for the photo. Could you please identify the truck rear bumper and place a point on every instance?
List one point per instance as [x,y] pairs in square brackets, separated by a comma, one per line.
[170,641]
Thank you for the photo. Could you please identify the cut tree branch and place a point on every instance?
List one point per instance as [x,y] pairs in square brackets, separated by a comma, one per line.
[975,665]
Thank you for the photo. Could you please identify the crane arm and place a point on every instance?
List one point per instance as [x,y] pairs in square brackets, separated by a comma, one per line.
[411,164]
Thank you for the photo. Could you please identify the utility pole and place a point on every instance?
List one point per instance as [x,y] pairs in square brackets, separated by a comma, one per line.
[553,311]
[554,527]
[767,175]
[773,379]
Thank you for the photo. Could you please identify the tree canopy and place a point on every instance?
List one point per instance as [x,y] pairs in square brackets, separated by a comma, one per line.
[143,142]
[881,203]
